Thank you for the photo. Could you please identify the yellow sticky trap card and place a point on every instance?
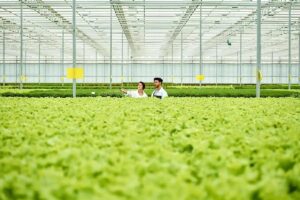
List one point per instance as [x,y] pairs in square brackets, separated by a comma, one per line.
[75,73]
[200,77]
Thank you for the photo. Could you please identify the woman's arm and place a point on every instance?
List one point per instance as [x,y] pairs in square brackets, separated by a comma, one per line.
[124,91]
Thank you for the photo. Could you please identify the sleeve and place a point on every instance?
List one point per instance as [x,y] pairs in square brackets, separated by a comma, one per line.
[129,93]
[165,94]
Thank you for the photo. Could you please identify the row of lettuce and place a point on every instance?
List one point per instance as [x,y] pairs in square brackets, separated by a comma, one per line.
[189,148]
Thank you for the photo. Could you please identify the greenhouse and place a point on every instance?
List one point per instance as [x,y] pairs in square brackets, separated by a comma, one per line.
[79,117]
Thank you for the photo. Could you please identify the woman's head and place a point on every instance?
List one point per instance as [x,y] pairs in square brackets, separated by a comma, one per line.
[141,85]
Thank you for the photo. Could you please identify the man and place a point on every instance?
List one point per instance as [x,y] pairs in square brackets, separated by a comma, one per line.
[159,92]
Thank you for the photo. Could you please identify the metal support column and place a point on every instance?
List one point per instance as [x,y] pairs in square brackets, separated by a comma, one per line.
[62,57]
[192,70]
[131,60]
[272,67]
[290,45]
[172,62]
[110,54]
[216,63]
[21,46]
[299,55]
[39,59]
[45,69]
[128,59]
[122,62]
[83,61]
[96,66]
[25,65]
[237,67]
[200,45]
[104,70]
[222,71]
[241,51]
[16,70]
[280,70]
[181,59]
[163,62]
[74,46]
[3,61]
[258,59]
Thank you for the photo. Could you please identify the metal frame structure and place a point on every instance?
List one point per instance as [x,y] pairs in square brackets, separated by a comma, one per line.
[153,31]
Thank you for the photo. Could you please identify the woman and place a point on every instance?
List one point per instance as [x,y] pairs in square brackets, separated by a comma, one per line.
[139,93]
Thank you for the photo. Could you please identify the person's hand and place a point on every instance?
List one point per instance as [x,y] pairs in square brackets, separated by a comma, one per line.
[124,91]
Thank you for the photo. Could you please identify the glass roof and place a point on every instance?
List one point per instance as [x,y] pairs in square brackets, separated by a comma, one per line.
[152,30]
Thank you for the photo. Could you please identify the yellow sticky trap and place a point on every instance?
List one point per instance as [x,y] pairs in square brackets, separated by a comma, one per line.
[75,73]
[200,77]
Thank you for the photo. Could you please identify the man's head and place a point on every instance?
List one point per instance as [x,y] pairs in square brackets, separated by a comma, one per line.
[157,82]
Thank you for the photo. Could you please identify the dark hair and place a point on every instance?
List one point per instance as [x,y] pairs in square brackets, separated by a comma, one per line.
[144,86]
[158,79]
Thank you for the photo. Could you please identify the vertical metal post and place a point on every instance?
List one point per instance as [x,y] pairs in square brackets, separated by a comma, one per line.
[221,69]
[74,47]
[83,60]
[39,59]
[200,45]
[131,68]
[128,58]
[192,70]
[172,62]
[110,64]
[272,67]
[181,57]
[163,62]
[299,55]
[25,64]
[290,57]
[45,69]
[216,63]
[96,73]
[62,57]
[104,70]
[250,68]
[21,46]
[122,62]
[237,67]
[16,70]
[241,51]
[3,57]
[258,35]
[280,70]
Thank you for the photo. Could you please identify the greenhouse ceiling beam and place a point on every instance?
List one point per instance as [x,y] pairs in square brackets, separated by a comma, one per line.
[249,19]
[124,25]
[270,45]
[49,13]
[186,17]
[148,3]
[184,3]
[15,28]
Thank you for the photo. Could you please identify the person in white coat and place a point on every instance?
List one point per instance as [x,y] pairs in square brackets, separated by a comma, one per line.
[159,91]
[139,93]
